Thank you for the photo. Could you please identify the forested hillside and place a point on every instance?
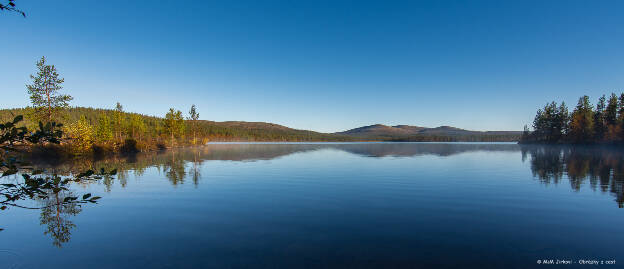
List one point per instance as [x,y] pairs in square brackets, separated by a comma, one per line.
[114,125]
[84,130]
[406,133]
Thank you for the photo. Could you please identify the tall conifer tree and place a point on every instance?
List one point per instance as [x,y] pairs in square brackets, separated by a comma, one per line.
[44,93]
[600,127]
[193,117]
[582,122]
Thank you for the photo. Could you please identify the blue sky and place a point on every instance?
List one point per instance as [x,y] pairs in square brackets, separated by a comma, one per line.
[321,65]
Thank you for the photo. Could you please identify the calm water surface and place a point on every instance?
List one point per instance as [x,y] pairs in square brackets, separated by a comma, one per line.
[359,205]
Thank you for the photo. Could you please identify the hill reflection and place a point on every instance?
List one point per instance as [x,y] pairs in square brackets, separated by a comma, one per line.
[174,159]
[602,168]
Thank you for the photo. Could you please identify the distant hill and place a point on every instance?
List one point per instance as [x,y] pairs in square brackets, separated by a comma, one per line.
[214,131]
[380,130]
[262,131]
[418,133]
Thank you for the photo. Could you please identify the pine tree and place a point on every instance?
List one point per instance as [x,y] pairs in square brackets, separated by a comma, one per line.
[44,93]
[550,123]
[620,118]
[137,126]
[194,116]
[611,119]
[611,112]
[174,124]
[600,127]
[563,118]
[104,131]
[582,122]
[118,120]
[539,125]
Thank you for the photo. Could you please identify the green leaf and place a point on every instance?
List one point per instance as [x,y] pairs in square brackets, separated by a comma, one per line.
[84,197]
[18,118]
[88,173]
[70,198]
[11,171]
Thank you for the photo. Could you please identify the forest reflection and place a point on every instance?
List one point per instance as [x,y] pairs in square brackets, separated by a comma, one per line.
[178,164]
[601,167]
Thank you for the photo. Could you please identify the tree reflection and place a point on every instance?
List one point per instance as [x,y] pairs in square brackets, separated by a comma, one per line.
[196,167]
[55,215]
[602,167]
[175,170]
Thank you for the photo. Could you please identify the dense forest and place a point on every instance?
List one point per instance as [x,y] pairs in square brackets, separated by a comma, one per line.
[111,128]
[95,130]
[586,124]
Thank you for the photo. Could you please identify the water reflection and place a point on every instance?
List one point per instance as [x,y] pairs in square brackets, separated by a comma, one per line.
[174,169]
[55,216]
[195,171]
[172,162]
[602,167]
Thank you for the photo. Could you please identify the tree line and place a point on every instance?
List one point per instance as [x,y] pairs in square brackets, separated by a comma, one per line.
[89,129]
[99,130]
[95,130]
[586,124]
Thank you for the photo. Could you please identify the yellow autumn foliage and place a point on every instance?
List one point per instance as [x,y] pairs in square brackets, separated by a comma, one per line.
[82,135]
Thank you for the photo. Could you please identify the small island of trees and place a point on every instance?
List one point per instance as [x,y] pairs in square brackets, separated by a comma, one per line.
[586,124]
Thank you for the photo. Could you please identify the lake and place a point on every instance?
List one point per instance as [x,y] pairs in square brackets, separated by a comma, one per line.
[333,205]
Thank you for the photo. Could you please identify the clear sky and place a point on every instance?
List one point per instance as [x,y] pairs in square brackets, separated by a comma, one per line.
[321,65]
